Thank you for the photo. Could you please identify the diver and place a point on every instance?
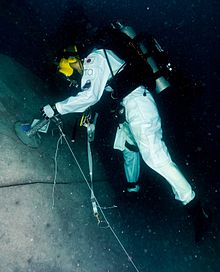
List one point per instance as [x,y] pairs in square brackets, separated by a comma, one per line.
[139,134]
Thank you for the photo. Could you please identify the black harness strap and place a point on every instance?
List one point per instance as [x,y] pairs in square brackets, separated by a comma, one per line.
[109,64]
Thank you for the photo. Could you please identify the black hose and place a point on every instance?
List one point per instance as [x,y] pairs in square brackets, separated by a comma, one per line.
[31,183]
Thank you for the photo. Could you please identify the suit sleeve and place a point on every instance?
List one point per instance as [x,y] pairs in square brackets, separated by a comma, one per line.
[95,76]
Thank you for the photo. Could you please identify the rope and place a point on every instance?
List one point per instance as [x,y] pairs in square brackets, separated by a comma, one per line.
[94,204]
[92,194]
[55,170]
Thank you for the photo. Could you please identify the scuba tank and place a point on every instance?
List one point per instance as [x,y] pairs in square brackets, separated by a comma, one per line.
[161,82]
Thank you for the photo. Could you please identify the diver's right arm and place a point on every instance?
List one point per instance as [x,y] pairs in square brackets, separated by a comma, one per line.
[95,76]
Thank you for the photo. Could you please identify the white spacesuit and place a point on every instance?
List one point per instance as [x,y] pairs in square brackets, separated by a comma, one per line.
[142,127]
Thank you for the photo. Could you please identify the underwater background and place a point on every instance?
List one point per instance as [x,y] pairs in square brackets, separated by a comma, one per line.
[153,228]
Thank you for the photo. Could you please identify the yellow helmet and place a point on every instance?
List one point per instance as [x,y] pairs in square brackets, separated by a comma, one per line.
[64,66]
[70,56]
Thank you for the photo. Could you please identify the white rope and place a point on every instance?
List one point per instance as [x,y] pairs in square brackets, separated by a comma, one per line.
[55,170]
[92,193]
[90,164]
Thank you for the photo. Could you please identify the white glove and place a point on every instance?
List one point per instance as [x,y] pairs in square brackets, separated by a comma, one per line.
[47,112]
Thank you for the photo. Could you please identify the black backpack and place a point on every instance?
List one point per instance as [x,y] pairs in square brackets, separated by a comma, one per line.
[136,71]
